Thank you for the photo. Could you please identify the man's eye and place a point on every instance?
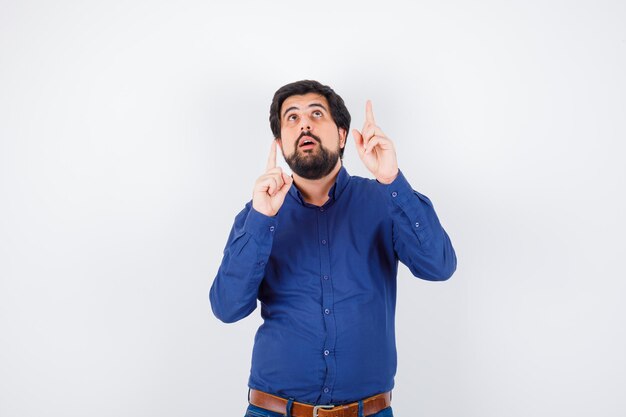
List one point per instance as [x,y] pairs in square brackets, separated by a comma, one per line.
[291,117]
[317,113]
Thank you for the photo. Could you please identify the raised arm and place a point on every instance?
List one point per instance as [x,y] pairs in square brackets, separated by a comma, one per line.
[418,238]
[234,290]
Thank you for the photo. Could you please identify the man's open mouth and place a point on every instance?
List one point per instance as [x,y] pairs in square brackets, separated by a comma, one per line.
[306,143]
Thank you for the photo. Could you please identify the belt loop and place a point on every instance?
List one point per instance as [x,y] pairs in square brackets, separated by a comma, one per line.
[289,403]
[360,408]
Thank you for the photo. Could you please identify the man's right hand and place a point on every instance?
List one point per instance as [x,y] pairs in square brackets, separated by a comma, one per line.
[271,188]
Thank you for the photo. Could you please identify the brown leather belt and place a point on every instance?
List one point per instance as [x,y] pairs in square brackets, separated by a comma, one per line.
[371,405]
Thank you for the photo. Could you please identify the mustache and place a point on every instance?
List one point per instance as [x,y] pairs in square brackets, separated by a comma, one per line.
[309,134]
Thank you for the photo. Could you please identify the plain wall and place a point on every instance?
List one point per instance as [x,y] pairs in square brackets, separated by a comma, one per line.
[131,134]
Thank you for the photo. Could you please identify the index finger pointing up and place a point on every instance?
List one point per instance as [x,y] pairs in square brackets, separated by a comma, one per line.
[271,160]
[369,113]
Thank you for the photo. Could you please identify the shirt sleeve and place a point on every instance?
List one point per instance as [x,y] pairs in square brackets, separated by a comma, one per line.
[235,288]
[419,240]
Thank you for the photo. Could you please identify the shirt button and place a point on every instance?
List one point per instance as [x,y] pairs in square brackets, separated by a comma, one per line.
[271,228]
[394,194]
[321,208]
[326,352]
[327,311]
[323,242]
[326,390]
[326,277]
[261,263]
[417,225]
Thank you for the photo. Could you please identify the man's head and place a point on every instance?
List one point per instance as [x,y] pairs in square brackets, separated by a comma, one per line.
[309,111]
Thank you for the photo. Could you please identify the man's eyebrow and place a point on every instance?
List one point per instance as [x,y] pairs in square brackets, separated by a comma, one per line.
[310,105]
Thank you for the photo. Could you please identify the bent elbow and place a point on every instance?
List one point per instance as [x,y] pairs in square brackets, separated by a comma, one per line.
[443,275]
[441,271]
[447,266]
[232,313]
[446,270]
[437,276]
[226,318]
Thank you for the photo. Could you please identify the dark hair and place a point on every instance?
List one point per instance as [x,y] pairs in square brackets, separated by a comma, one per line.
[338,110]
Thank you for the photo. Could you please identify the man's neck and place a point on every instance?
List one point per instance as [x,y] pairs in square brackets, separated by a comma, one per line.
[316,191]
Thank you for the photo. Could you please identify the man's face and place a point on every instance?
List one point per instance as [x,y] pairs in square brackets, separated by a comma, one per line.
[310,139]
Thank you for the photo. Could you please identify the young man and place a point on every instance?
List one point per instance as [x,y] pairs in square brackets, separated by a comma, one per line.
[320,251]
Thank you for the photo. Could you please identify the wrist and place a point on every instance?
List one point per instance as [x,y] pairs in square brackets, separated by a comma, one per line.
[263,210]
[388,180]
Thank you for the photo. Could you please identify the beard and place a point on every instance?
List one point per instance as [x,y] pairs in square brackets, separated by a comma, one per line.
[312,165]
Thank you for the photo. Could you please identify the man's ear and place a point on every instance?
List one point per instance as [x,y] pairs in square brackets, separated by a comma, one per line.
[342,136]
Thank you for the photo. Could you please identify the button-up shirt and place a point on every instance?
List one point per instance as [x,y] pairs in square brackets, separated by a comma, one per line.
[325,277]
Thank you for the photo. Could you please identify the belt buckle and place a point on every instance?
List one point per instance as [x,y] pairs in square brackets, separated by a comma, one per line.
[317,407]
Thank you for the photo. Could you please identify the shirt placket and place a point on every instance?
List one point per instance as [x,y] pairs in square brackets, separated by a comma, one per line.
[327,306]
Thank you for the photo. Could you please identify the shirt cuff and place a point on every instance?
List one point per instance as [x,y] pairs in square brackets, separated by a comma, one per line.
[399,191]
[260,226]
[401,198]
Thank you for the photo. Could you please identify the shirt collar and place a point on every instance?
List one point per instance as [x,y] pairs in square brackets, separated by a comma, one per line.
[335,191]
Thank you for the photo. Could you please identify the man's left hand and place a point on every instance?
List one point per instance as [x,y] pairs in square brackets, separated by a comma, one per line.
[375,149]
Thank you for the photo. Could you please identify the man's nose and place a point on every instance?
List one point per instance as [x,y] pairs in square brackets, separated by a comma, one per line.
[305,124]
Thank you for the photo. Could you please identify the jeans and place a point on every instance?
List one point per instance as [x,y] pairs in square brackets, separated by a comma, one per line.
[254,411]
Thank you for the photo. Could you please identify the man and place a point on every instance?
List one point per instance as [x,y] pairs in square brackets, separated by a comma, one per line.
[320,251]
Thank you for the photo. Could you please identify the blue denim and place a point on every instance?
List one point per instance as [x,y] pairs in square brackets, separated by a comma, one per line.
[254,411]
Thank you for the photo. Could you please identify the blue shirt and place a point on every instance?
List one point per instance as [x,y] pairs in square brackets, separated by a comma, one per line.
[326,280]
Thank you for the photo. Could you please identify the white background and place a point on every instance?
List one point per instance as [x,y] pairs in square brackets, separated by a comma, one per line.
[132,133]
